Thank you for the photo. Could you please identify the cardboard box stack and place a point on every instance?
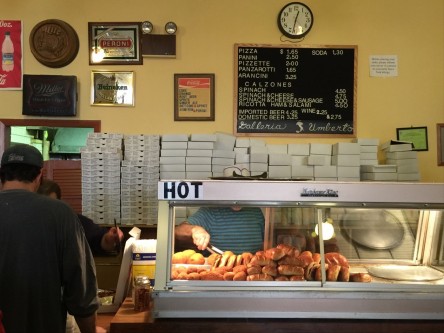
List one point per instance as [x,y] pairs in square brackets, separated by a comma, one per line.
[139,178]
[173,150]
[258,158]
[368,148]
[401,155]
[405,159]
[199,156]
[320,158]
[299,153]
[223,152]
[100,160]
[279,161]
[346,156]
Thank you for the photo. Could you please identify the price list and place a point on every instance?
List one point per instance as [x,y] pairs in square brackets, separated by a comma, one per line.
[304,91]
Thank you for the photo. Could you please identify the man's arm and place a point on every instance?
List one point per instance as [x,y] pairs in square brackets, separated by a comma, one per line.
[185,231]
[87,324]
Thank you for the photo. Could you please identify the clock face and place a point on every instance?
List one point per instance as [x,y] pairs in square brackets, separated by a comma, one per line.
[295,20]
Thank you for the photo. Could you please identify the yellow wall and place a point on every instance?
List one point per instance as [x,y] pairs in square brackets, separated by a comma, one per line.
[207,31]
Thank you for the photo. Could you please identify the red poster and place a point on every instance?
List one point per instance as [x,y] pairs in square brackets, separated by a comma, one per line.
[11,54]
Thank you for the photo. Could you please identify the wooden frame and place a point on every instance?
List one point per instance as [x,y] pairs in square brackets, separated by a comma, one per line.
[120,42]
[440,138]
[194,97]
[112,88]
[416,135]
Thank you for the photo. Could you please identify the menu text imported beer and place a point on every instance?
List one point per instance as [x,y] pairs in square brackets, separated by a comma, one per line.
[295,90]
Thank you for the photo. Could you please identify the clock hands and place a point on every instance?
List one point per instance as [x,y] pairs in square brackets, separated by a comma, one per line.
[295,20]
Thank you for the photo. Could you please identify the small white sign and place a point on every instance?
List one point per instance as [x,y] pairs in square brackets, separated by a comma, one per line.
[383,65]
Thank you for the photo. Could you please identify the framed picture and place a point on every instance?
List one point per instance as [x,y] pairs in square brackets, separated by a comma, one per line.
[118,43]
[112,88]
[440,136]
[49,95]
[415,135]
[194,97]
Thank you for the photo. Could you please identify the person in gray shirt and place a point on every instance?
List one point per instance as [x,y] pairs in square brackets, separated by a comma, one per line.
[46,265]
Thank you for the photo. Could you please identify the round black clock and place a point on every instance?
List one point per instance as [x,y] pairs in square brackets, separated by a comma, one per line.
[295,20]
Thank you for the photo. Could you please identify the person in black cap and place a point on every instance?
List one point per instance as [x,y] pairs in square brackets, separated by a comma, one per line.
[46,265]
[101,240]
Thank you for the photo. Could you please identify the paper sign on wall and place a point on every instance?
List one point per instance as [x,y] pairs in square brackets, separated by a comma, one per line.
[383,65]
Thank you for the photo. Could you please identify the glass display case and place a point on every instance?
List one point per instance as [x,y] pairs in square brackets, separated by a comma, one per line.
[331,250]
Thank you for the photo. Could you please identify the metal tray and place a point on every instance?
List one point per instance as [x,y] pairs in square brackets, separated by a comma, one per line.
[406,273]
[375,229]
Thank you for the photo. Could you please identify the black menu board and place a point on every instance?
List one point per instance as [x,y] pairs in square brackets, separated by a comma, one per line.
[295,90]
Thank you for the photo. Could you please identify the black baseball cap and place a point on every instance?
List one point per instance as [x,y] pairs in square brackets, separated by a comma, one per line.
[22,154]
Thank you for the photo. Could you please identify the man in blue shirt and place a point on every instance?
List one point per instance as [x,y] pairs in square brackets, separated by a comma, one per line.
[237,229]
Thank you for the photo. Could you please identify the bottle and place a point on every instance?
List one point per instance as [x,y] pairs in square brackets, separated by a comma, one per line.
[142,293]
[7,53]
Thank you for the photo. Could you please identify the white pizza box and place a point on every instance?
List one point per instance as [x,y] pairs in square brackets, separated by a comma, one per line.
[320,149]
[368,156]
[368,149]
[348,171]
[279,159]
[198,174]
[224,141]
[172,175]
[197,160]
[385,176]
[325,171]
[299,160]
[242,158]
[200,144]
[172,160]
[242,142]
[299,149]
[413,176]
[258,167]
[398,162]
[199,152]
[174,145]
[408,168]
[223,153]
[258,158]
[379,168]
[399,155]
[174,137]
[259,150]
[346,160]
[314,159]
[173,152]
[197,167]
[241,150]
[369,162]
[346,148]
[277,148]
[257,143]
[222,161]
[279,171]
[302,171]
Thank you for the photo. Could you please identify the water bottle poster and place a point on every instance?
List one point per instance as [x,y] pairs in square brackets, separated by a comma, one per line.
[11,39]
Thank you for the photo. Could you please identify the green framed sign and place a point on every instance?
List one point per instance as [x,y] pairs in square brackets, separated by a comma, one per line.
[415,135]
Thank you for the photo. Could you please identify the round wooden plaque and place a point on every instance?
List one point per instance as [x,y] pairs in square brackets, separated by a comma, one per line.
[54,43]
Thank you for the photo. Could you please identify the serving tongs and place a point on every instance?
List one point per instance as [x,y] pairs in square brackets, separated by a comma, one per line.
[211,248]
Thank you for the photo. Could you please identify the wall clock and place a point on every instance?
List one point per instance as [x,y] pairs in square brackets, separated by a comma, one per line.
[295,20]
